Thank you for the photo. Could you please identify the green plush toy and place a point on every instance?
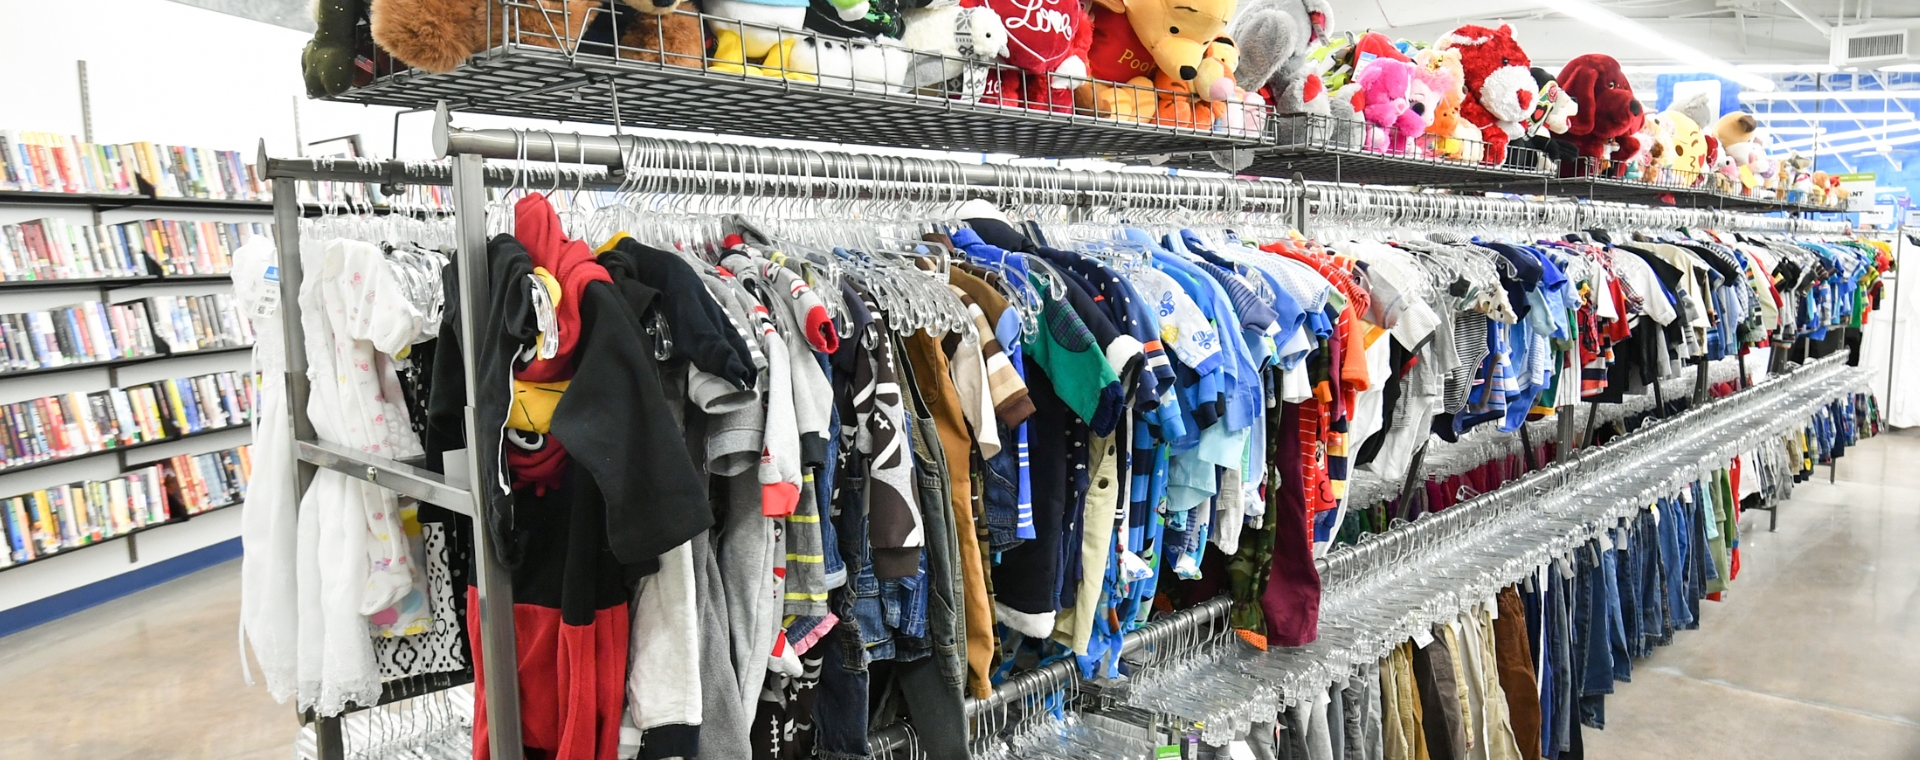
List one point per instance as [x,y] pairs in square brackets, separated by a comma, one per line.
[327,61]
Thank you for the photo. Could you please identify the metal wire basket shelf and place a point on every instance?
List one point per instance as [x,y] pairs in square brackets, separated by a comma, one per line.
[547,60]
[1332,149]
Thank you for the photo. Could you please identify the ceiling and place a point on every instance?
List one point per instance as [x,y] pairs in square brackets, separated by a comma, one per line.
[1739,31]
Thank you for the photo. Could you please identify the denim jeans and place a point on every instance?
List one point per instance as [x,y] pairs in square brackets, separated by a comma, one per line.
[868,611]
[1001,495]
[834,565]
[903,601]
[840,708]
[946,626]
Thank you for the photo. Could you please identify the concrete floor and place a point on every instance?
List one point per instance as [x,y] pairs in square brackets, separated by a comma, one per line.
[1815,654]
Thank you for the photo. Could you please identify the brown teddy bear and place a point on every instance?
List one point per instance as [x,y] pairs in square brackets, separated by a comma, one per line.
[439,35]
[671,27]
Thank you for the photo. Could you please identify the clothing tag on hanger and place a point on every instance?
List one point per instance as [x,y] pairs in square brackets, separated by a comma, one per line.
[1423,638]
[545,318]
[1493,607]
[1606,544]
[1655,509]
[1563,566]
[268,303]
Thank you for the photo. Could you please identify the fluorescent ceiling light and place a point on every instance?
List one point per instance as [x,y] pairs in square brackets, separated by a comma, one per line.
[1747,68]
[1901,67]
[1752,97]
[1836,116]
[1636,32]
[1849,135]
[1869,145]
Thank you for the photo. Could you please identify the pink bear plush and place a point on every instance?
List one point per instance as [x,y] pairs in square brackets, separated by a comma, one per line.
[1393,112]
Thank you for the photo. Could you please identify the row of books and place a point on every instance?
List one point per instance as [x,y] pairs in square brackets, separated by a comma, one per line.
[71,515]
[79,334]
[200,482]
[58,249]
[55,163]
[199,323]
[93,331]
[75,424]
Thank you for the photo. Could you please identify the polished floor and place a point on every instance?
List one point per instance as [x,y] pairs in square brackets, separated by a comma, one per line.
[1815,653]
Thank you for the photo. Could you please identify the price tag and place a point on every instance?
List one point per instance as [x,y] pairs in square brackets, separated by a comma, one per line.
[1422,638]
[548,321]
[268,303]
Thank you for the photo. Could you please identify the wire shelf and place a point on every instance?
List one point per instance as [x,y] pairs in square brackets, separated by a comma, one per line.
[597,75]
[1330,149]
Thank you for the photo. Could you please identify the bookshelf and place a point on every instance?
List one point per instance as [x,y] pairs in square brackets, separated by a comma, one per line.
[117,536]
[67,568]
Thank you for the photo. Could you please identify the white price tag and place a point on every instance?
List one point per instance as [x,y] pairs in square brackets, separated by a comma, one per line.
[1422,639]
[268,304]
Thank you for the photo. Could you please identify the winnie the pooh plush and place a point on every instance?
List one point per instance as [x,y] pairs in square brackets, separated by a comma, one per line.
[1148,45]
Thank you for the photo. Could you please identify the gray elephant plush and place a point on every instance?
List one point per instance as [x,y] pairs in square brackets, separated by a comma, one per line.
[1275,37]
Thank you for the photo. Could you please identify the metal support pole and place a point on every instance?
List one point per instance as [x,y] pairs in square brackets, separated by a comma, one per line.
[497,660]
[1593,417]
[286,231]
[1300,203]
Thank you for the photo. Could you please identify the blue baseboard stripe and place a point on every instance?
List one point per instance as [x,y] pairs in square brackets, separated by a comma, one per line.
[100,592]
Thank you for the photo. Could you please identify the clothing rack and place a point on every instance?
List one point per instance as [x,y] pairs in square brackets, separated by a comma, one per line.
[638,164]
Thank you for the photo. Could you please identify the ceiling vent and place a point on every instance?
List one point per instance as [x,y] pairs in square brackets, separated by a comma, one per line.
[1876,44]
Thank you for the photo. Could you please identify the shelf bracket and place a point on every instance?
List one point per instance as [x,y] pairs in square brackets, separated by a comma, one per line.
[387,473]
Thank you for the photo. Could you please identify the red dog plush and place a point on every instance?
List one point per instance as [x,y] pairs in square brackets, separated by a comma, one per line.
[1609,111]
[1500,86]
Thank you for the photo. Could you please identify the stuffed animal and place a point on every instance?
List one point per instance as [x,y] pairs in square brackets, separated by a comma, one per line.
[327,61]
[666,30]
[1818,185]
[1499,84]
[1047,42]
[1726,170]
[1553,112]
[947,37]
[1658,134]
[1793,173]
[438,35]
[868,65]
[1393,116]
[1836,195]
[1160,44]
[1691,162]
[1608,111]
[1451,136]
[1275,38]
[747,36]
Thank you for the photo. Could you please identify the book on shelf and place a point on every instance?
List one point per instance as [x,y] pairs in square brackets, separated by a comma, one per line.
[79,334]
[198,323]
[183,247]
[54,163]
[199,482]
[71,515]
[74,424]
[58,249]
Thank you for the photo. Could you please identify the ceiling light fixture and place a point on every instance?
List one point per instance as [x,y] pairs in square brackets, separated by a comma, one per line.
[1831,137]
[1636,32]
[1888,143]
[1835,116]
[1805,95]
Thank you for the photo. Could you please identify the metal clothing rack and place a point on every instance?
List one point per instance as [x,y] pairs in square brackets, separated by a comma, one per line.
[625,162]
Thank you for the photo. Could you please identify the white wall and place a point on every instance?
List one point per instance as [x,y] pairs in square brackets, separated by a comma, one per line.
[168,73]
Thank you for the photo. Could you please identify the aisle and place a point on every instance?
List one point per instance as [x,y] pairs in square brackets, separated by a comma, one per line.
[153,675]
[1816,652]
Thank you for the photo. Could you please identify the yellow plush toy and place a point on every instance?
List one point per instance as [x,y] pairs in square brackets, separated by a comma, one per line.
[1690,155]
